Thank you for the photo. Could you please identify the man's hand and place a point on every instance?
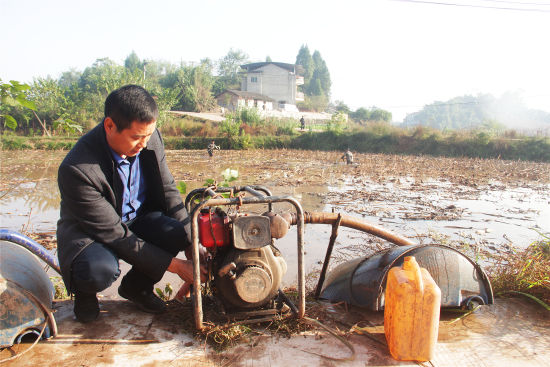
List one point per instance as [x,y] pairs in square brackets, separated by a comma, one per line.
[184,268]
[187,271]
[184,292]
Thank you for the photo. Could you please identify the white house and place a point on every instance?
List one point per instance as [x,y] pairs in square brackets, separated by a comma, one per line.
[268,86]
[276,80]
[232,100]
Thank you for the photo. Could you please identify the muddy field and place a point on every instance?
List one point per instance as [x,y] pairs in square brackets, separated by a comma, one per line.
[479,206]
[475,204]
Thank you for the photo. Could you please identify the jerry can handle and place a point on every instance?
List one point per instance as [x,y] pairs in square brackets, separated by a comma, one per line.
[410,264]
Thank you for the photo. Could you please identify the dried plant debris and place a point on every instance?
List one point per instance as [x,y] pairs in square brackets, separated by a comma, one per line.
[523,271]
[282,167]
[221,333]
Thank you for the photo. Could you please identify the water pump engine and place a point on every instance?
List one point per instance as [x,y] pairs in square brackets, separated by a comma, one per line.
[246,269]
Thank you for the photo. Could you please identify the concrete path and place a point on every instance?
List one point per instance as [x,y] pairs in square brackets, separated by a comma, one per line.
[513,332]
[210,116]
[218,116]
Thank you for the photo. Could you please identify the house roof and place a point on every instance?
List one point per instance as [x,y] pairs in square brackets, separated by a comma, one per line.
[298,69]
[244,94]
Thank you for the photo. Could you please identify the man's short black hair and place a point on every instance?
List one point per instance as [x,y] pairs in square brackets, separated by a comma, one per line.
[128,104]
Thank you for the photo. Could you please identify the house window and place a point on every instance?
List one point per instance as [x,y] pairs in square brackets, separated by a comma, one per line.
[253,79]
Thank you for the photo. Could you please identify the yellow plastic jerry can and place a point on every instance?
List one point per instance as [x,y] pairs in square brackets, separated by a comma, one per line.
[411,312]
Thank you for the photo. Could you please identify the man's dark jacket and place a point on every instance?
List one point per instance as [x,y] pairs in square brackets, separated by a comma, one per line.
[91,203]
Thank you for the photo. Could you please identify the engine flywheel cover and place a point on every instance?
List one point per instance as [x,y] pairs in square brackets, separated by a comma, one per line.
[253,285]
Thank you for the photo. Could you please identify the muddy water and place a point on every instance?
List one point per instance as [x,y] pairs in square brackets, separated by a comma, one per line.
[486,204]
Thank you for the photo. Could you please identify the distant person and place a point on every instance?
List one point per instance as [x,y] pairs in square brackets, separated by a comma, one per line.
[303,123]
[119,201]
[348,156]
[211,148]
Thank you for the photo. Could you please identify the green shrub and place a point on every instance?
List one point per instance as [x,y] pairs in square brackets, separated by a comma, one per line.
[15,143]
[285,130]
[250,116]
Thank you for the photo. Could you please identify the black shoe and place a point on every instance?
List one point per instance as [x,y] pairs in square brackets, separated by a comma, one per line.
[145,300]
[86,307]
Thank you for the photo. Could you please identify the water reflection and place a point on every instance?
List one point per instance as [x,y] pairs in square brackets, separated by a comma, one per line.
[494,214]
[41,196]
[28,190]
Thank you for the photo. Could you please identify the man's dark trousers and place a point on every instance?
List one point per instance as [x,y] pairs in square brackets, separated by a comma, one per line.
[97,267]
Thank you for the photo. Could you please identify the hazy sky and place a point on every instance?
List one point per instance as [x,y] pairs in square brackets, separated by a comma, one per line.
[397,55]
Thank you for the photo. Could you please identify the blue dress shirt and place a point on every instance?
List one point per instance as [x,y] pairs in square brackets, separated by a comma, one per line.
[133,183]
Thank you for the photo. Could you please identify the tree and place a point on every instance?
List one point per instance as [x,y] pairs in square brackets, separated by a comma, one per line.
[105,75]
[12,95]
[363,114]
[69,78]
[100,79]
[132,62]
[340,106]
[304,58]
[166,99]
[320,74]
[378,114]
[194,86]
[316,79]
[315,87]
[207,65]
[50,101]
[314,103]
[228,68]
[492,127]
[268,59]
[337,122]
[200,82]
[54,108]
[154,72]
[316,75]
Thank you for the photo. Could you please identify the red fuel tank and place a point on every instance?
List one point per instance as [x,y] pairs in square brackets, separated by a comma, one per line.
[213,229]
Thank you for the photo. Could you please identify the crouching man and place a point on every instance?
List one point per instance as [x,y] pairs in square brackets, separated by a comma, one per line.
[120,201]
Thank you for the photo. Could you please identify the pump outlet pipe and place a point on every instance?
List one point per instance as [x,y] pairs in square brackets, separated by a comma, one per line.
[355,223]
[32,246]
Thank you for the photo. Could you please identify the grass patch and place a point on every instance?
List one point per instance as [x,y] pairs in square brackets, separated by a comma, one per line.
[246,129]
[59,288]
[188,126]
[15,142]
[524,272]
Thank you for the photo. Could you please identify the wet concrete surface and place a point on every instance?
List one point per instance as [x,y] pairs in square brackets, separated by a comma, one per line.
[512,332]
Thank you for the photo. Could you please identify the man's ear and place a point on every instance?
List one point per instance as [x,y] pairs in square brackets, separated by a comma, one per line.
[109,125]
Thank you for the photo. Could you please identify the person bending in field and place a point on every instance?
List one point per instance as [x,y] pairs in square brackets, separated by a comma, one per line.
[211,148]
[348,156]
